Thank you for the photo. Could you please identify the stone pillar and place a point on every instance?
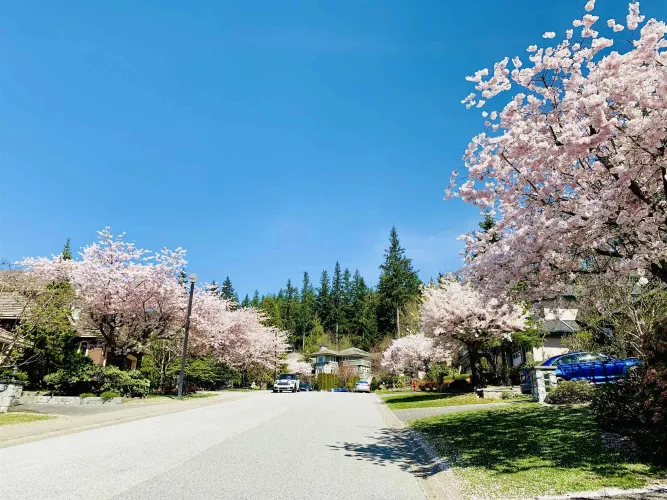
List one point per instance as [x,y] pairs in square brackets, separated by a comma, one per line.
[542,378]
[10,392]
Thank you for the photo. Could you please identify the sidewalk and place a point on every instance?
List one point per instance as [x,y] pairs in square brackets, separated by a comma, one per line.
[26,433]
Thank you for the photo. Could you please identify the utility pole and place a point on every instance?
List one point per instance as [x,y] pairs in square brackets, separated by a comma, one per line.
[336,336]
[193,279]
[398,324]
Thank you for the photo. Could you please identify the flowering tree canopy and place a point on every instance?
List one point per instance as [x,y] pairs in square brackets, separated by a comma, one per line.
[455,314]
[412,353]
[124,293]
[299,367]
[574,165]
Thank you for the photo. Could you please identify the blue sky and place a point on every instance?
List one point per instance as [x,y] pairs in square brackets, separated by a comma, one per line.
[267,138]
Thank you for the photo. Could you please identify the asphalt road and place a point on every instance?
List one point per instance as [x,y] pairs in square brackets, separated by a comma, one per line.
[265,446]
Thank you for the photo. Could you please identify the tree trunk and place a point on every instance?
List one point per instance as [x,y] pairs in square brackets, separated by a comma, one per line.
[474,369]
[506,371]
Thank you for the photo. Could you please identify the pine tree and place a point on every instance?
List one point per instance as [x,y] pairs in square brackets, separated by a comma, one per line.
[363,321]
[246,301]
[227,290]
[337,321]
[255,299]
[398,285]
[213,288]
[323,301]
[346,305]
[307,310]
[67,252]
[290,309]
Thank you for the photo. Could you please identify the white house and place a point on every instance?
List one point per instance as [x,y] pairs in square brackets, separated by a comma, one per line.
[328,361]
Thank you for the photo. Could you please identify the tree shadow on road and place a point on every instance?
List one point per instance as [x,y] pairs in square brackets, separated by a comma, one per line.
[397,447]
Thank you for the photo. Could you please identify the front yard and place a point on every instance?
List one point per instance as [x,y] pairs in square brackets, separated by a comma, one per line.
[528,449]
[407,400]
[21,418]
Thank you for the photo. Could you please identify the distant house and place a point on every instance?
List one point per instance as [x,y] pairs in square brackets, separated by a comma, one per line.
[560,319]
[328,361]
[13,306]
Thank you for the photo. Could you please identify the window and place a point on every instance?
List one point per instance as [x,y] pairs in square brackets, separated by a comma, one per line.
[516,355]
[83,348]
[320,360]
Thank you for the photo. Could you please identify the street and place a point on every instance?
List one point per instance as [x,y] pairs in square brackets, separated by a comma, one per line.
[287,446]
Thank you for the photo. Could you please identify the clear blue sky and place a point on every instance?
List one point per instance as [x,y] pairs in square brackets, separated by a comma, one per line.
[265,137]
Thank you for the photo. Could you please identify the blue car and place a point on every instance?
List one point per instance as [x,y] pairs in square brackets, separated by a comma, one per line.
[340,389]
[597,368]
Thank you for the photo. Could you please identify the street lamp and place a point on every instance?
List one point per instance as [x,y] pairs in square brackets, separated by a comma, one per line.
[193,279]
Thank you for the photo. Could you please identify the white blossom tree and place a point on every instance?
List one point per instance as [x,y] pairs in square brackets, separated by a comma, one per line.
[412,353]
[454,314]
[574,165]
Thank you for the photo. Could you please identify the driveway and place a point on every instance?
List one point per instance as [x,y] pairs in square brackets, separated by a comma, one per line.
[265,446]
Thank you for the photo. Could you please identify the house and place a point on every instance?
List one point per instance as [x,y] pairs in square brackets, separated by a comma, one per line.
[560,319]
[16,292]
[328,361]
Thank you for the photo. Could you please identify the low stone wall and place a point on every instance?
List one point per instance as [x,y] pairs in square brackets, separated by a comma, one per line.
[10,393]
[497,392]
[67,400]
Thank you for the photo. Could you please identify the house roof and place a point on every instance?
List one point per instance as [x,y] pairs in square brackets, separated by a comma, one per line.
[7,337]
[12,303]
[354,351]
[560,326]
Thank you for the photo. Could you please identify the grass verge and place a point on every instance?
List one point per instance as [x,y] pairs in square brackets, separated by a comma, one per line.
[527,450]
[432,399]
[22,418]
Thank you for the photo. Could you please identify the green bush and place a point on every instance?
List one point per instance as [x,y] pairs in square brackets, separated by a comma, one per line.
[571,392]
[126,383]
[109,395]
[87,395]
[95,379]
[508,395]
[374,385]
[326,381]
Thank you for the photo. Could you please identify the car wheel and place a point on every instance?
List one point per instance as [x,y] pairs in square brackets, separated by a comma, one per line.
[559,380]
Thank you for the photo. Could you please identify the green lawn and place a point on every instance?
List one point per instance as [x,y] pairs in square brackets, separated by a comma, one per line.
[185,396]
[529,449]
[22,418]
[431,399]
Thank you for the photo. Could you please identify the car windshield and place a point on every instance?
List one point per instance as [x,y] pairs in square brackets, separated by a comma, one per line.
[286,376]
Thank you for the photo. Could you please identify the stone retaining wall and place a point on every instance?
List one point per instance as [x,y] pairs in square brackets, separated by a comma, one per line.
[10,392]
[67,400]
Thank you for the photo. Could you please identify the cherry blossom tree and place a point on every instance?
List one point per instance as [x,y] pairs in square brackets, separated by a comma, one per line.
[412,353]
[574,165]
[123,293]
[237,337]
[456,315]
[300,367]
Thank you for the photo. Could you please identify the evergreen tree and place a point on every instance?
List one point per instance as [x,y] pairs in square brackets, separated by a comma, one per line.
[347,312]
[213,288]
[337,319]
[67,252]
[255,299]
[227,290]
[323,301]
[290,308]
[363,321]
[307,313]
[399,284]
[246,301]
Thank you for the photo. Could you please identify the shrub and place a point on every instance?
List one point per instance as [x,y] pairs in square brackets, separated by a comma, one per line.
[571,392]
[87,395]
[374,385]
[637,406]
[508,395]
[75,380]
[109,395]
[425,385]
[326,381]
[126,383]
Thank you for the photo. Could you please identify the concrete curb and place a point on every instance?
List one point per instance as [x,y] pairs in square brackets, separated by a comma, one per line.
[441,486]
[606,493]
[37,431]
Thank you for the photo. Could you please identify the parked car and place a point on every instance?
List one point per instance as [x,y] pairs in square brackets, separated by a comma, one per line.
[597,368]
[305,387]
[362,386]
[286,382]
[340,389]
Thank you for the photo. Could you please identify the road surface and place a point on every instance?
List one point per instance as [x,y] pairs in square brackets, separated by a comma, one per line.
[265,446]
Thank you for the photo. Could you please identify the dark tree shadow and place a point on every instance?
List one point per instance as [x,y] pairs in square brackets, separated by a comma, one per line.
[509,441]
[393,446]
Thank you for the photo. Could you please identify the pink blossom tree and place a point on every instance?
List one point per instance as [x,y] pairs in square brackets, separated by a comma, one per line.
[574,165]
[124,294]
[456,315]
[299,367]
[412,353]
